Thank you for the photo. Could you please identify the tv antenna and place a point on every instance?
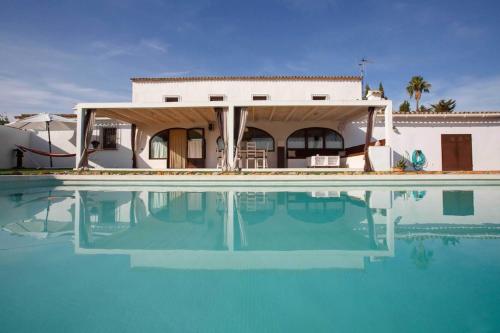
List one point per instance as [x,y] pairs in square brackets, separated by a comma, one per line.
[362,67]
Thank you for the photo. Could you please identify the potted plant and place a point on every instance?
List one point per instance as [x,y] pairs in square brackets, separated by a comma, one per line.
[400,165]
[95,144]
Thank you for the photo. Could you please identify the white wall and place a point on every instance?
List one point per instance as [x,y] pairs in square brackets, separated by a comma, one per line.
[427,137]
[64,141]
[199,91]
[9,137]
[429,208]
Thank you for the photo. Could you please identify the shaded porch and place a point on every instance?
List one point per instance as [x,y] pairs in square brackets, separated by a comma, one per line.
[191,137]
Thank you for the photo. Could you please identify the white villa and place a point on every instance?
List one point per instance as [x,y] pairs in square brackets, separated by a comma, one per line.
[266,122]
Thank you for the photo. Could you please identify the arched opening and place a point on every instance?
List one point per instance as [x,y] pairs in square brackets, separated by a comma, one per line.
[180,147]
[262,139]
[307,142]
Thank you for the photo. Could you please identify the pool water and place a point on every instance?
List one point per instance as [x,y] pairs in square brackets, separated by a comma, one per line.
[325,259]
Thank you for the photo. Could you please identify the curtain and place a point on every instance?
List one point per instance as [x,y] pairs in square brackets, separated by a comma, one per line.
[195,148]
[368,139]
[178,146]
[89,122]
[133,131]
[159,147]
[221,118]
[243,113]
[158,201]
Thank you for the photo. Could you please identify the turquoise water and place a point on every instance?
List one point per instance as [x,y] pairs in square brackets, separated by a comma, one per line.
[326,259]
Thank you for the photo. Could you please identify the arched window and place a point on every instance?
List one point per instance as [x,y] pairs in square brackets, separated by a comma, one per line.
[158,146]
[262,139]
[315,140]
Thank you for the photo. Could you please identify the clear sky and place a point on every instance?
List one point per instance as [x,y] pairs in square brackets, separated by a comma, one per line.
[54,54]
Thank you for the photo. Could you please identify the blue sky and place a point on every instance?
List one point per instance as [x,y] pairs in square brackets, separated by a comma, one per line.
[54,54]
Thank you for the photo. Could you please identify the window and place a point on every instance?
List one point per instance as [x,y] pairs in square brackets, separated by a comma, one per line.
[297,140]
[319,97]
[315,138]
[262,139]
[260,97]
[170,99]
[216,98]
[311,141]
[109,138]
[158,146]
[195,137]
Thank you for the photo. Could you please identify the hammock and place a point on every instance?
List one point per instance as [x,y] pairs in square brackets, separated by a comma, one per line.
[44,153]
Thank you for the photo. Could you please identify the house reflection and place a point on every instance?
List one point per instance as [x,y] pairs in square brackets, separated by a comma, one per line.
[252,229]
[234,230]
[39,214]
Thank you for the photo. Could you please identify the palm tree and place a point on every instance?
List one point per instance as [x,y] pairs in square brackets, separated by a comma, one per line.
[444,105]
[416,87]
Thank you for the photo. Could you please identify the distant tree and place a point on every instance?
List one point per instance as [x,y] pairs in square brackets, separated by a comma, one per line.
[381,89]
[4,119]
[421,257]
[367,88]
[404,107]
[444,105]
[423,108]
[416,87]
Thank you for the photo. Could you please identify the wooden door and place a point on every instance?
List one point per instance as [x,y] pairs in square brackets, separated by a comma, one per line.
[177,145]
[281,157]
[456,151]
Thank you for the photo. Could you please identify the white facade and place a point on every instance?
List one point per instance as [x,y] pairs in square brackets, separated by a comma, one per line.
[423,132]
[290,104]
[242,89]
[64,141]
[277,105]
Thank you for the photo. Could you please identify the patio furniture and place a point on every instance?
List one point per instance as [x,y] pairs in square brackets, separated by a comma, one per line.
[253,156]
[251,153]
[220,157]
[318,161]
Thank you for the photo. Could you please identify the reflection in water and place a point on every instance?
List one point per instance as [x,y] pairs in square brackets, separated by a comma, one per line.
[41,214]
[163,259]
[254,229]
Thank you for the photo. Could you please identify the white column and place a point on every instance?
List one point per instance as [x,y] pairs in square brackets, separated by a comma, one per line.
[389,230]
[230,136]
[389,132]
[388,124]
[80,118]
[77,220]
[230,221]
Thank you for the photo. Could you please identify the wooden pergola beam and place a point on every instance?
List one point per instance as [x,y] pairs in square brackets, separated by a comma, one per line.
[290,115]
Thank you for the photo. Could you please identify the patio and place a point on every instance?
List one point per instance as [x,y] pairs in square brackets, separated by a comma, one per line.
[279,134]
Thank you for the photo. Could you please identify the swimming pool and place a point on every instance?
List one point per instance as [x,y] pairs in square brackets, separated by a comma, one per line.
[238,259]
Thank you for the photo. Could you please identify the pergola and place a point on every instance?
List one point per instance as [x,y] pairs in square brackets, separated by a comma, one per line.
[145,114]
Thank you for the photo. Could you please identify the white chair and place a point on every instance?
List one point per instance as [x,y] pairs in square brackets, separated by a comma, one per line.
[220,155]
[251,149]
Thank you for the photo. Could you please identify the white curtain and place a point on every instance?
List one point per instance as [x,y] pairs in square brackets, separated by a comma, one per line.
[159,147]
[243,112]
[221,118]
[89,120]
[195,148]
[158,200]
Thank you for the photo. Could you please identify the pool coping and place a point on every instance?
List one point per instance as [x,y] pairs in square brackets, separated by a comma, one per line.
[281,180]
